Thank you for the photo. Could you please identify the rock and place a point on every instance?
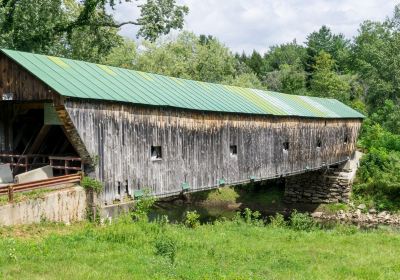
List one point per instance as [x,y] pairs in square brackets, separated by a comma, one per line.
[382,214]
[361,206]
[317,214]
[372,211]
[357,213]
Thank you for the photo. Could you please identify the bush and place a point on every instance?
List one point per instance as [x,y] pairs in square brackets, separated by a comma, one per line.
[249,217]
[302,221]
[192,219]
[92,184]
[277,221]
[166,247]
[143,207]
[378,179]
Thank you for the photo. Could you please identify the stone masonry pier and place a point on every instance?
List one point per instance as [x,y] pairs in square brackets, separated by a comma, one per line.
[329,185]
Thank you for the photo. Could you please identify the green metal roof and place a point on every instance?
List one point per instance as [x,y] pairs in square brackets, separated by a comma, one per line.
[79,79]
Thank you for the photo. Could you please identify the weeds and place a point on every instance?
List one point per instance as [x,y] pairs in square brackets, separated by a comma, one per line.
[223,250]
[92,184]
[192,219]
[277,221]
[143,206]
[302,222]
[11,251]
[167,247]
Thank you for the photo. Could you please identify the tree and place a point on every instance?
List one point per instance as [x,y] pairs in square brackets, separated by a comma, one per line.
[376,58]
[51,26]
[289,79]
[123,56]
[246,80]
[256,63]
[188,57]
[325,82]
[334,44]
[285,54]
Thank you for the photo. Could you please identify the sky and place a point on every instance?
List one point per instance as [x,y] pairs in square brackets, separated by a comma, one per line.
[245,25]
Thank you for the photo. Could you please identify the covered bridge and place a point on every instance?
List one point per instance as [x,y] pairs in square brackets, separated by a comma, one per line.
[138,130]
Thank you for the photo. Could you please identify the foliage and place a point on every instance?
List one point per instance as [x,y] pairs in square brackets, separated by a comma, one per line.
[388,116]
[323,40]
[143,206]
[92,184]
[289,79]
[247,80]
[326,82]
[80,29]
[302,221]
[188,57]
[167,247]
[291,54]
[363,72]
[224,250]
[277,221]
[192,219]
[376,58]
[252,217]
[24,196]
[122,56]
[378,179]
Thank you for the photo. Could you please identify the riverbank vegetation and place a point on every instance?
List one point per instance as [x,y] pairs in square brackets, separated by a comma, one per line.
[242,248]
[363,72]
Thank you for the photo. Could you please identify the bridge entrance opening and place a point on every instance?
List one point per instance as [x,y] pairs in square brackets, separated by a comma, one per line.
[32,136]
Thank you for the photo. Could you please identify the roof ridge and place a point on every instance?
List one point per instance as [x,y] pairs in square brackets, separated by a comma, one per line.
[88,80]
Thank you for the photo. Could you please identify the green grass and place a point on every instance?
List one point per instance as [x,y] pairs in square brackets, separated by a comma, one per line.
[19,197]
[333,207]
[247,194]
[224,250]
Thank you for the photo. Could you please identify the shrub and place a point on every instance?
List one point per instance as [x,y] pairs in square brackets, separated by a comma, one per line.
[167,247]
[277,221]
[192,219]
[143,206]
[92,184]
[249,217]
[302,221]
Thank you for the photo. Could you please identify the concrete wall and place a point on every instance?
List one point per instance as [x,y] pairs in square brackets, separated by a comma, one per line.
[65,205]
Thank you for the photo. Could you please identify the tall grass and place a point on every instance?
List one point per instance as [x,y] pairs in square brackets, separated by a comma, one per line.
[245,248]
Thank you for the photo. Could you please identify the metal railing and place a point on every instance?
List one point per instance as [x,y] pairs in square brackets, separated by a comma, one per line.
[40,184]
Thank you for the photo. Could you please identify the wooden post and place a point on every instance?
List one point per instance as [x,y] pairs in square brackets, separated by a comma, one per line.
[10,193]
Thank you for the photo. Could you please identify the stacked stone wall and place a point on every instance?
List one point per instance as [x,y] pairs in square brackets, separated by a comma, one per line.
[329,185]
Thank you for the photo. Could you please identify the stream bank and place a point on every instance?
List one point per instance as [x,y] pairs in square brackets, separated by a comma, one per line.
[267,198]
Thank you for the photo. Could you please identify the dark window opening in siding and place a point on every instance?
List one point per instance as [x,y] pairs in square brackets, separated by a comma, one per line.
[286,146]
[126,187]
[233,150]
[319,143]
[156,153]
[346,139]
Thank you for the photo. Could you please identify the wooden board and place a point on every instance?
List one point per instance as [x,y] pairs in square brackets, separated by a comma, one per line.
[196,146]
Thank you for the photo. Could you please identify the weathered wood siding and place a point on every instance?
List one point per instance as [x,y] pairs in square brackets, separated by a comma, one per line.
[6,113]
[196,146]
[22,84]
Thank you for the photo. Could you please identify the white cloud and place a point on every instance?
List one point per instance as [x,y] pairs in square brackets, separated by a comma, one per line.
[258,24]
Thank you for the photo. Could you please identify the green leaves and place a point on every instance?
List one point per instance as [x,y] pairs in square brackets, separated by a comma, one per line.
[158,17]
[326,82]
[80,29]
